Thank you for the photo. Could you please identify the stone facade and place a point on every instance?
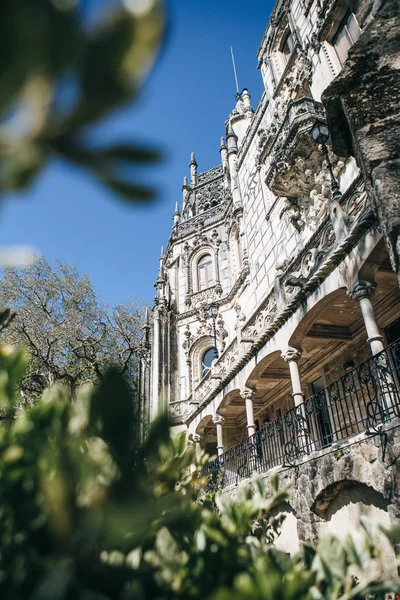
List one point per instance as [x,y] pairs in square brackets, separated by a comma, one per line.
[334,488]
[276,294]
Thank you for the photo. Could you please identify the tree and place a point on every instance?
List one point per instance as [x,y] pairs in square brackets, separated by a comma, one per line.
[85,514]
[70,336]
[64,67]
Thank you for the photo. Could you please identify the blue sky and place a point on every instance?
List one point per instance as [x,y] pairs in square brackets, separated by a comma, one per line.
[182,109]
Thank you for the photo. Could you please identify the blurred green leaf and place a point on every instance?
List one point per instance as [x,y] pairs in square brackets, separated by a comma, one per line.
[48,49]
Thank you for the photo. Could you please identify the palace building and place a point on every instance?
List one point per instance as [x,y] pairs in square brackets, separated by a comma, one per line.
[274,337]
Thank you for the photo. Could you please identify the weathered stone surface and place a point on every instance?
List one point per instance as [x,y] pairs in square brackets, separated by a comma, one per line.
[363,114]
[369,452]
[353,476]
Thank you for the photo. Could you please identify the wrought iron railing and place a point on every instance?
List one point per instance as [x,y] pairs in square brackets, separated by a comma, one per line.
[362,400]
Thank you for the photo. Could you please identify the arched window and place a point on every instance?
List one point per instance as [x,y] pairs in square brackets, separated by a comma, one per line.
[205,272]
[206,361]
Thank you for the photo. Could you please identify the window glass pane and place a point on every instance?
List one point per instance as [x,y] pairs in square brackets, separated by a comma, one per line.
[209,277]
[202,277]
[208,357]
[204,272]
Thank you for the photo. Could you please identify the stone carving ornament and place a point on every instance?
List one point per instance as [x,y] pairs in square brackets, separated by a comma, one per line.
[228,359]
[313,188]
[210,195]
[178,410]
[263,318]
[291,208]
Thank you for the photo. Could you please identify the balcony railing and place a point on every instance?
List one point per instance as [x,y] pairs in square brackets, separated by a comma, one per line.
[362,400]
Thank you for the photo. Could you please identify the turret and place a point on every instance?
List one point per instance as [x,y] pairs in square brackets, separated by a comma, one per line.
[231,139]
[193,169]
[246,101]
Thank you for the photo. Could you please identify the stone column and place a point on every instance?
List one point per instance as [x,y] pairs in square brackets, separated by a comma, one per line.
[363,292]
[155,376]
[292,356]
[188,377]
[218,421]
[247,396]
[304,442]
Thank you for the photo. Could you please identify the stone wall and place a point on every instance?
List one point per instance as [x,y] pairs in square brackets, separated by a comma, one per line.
[333,489]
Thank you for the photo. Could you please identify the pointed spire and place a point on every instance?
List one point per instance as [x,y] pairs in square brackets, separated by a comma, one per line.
[222,144]
[193,169]
[160,282]
[185,181]
[177,215]
[247,101]
[146,325]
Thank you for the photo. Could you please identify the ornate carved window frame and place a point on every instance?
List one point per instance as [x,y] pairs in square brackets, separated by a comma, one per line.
[205,250]
[197,352]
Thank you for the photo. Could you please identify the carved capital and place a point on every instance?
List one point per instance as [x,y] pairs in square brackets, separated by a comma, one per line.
[247,394]
[218,419]
[194,438]
[292,354]
[362,289]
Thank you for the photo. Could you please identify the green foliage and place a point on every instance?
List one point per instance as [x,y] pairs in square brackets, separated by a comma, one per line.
[87,514]
[66,65]
[69,334]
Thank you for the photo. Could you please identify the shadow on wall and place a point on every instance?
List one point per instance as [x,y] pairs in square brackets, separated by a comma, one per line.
[341,506]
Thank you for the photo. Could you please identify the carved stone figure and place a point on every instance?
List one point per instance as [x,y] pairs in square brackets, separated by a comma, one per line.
[292,209]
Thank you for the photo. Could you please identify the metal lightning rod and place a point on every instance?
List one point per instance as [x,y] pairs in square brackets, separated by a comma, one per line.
[234,71]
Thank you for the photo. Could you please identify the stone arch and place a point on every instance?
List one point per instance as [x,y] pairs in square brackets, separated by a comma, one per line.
[342,504]
[340,493]
[260,367]
[312,315]
[226,401]
[232,408]
[207,432]
[270,380]
[205,421]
